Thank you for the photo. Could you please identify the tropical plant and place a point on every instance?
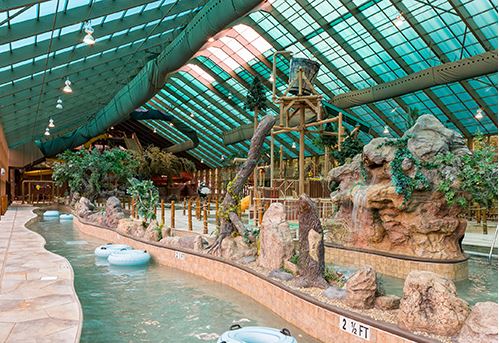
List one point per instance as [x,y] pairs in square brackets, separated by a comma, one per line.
[256,99]
[350,147]
[155,161]
[146,197]
[471,178]
[92,172]
[410,117]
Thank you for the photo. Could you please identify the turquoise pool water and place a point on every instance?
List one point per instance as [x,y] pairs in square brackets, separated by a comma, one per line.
[150,304]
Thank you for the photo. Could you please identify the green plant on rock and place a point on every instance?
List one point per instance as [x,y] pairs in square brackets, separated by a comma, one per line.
[350,147]
[471,178]
[405,185]
[294,259]
[146,198]
[331,276]
[92,172]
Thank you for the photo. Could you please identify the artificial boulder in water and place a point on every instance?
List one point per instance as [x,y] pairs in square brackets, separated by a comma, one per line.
[386,198]
[114,212]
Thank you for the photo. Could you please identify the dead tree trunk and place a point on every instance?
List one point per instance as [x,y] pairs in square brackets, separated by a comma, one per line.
[311,245]
[229,220]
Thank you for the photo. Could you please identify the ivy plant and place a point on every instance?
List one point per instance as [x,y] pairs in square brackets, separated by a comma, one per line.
[146,197]
[350,147]
[256,98]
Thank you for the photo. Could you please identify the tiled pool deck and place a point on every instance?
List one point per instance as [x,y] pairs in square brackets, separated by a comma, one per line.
[38,302]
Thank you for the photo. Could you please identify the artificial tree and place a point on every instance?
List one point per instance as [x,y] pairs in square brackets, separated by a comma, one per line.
[92,172]
[228,212]
[155,161]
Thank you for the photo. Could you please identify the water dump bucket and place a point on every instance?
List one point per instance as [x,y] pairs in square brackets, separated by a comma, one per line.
[310,69]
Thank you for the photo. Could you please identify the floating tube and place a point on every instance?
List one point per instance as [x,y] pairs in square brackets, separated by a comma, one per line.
[256,334]
[129,258]
[106,250]
[51,214]
[66,216]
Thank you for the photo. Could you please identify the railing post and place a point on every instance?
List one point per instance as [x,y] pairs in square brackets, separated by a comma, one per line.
[184,207]
[189,214]
[172,217]
[216,211]
[132,210]
[205,220]
[198,208]
[162,212]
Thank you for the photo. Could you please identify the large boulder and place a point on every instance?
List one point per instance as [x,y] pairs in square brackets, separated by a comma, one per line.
[114,212]
[276,243]
[481,325]
[361,288]
[84,207]
[234,248]
[430,304]
[387,302]
[130,227]
[372,214]
[152,232]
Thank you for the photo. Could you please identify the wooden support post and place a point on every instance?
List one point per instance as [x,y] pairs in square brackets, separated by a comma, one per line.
[132,210]
[326,161]
[260,217]
[216,211]
[281,160]
[484,221]
[189,214]
[162,212]
[184,207]
[172,218]
[205,220]
[340,130]
[301,155]
[271,160]
[198,208]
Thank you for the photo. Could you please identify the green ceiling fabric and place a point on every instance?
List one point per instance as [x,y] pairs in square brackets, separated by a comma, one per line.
[214,16]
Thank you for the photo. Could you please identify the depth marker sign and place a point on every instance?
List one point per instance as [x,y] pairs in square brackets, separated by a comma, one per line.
[355,328]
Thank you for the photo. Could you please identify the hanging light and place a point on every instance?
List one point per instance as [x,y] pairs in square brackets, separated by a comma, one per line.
[89,39]
[399,21]
[202,161]
[51,123]
[479,113]
[271,78]
[59,104]
[47,132]
[293,145]
[171,124]
[230,96]
[386,131]
[112,127]
[211,40]
[222,157]
[154,130]
[192,114]
[67,88]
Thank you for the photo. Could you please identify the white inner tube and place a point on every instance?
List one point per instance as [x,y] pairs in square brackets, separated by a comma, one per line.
[107,249]
[51,213]
[66,216]
[129,258]
[256,334]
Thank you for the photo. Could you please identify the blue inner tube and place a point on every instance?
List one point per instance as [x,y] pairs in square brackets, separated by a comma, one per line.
[129,258]
[256,334]
[66,216]
[107,249]
[51,213]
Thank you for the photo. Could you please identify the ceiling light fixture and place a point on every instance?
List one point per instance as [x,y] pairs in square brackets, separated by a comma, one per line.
[171,124]
[154,130]
[51,123]
[211,39]
[59,104]
[271,78]
[399,21]
[293,145]
[479,114]
[88,39]
[202,161]
[67,88]
[47,132]
[222,157]
[192,114]
[386,131]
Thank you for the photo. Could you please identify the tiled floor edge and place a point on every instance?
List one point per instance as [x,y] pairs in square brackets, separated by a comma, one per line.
[35,217]
[389,332]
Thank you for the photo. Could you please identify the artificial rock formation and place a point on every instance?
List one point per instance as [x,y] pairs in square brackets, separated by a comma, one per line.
[361,289]
[430,304]
[481,324]
[84,208]
[311,246]
[373,216]
[114,212]
[387,302]
[276,243]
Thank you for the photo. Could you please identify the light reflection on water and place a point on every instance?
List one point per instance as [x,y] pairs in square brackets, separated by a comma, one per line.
[150,304]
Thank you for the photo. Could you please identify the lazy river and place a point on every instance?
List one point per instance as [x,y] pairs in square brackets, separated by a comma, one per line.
[150,304]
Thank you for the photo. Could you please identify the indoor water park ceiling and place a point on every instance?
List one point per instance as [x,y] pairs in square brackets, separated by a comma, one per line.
[359,44]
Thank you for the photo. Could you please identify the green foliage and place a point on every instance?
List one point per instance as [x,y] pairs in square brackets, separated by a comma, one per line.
[146,197]
[350,147]
[294,259]
[331,276]
[256,99]
[476,178]
[411,117]
[325,140]
[405,184]
[90,172]
[155,161]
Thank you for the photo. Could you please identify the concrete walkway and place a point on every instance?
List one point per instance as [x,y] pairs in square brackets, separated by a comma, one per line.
[38,302]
